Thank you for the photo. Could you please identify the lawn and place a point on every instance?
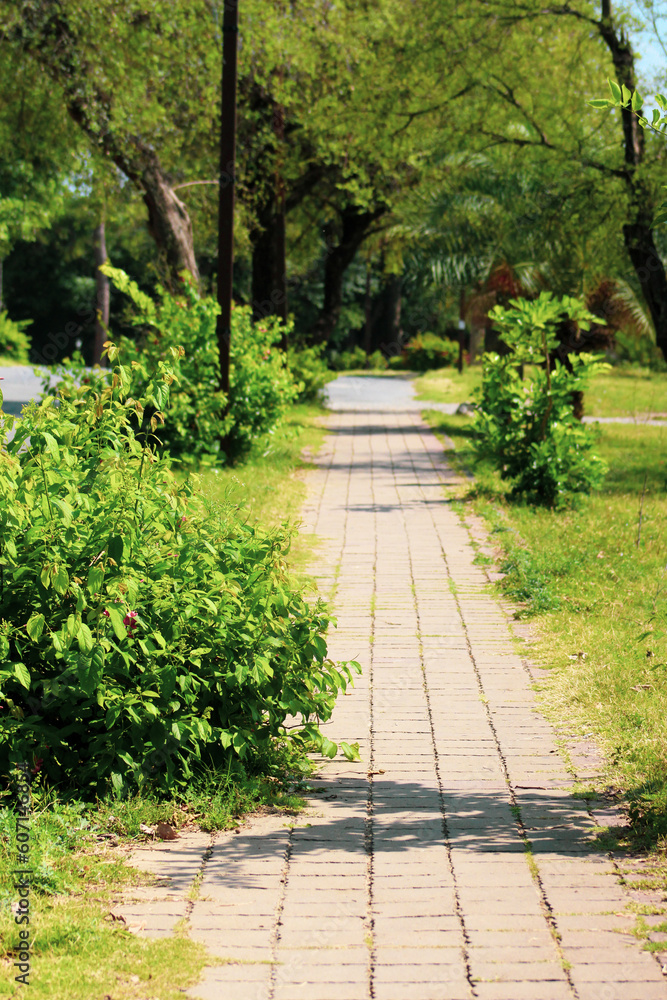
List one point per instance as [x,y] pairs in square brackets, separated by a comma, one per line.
[621,392]
[269,485]
[593,579]
[77,953]
[445,385]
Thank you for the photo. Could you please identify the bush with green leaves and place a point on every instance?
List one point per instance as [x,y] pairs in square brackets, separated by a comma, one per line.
[426,352]
[261,384]
[309,371]
[346,361]
[526,427]
[143,627]
[14,343]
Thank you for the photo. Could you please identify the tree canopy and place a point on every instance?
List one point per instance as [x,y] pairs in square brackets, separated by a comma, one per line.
[413,150]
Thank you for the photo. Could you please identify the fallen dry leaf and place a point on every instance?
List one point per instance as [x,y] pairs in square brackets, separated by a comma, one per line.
[166,832]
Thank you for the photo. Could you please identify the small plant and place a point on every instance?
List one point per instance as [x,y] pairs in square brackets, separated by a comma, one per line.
[526,427]
[143,629]
[14,344]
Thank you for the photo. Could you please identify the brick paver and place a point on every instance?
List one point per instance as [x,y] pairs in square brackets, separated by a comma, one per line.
[452,862]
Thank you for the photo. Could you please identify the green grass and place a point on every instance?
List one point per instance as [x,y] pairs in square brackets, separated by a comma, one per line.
[266,484]
[627,392]
[592,582]
[77,953]
[445,385]
[621,392]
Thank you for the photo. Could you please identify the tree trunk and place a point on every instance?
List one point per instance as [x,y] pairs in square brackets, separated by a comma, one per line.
[650,272]
[355,225]
[46,33]
[368,304]
[269,259]
[168,220]
[386,317]
[637,233]
[102,295]
[269,291]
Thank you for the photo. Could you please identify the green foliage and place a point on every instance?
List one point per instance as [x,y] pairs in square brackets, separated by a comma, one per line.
[527,428]
[346,361]
[261,386]
[143,628]
[14,344]
[309,372]
[426,352]
[640,352]
[623,97]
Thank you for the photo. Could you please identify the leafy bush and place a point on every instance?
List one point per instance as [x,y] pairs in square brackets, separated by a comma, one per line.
[527,428]
[143,627]
[261,386]
[345,361]
[377,361]
[14,344]
[309,372]
[427,351]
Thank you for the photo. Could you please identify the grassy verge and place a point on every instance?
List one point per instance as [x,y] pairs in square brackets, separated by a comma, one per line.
[593,579]
[627,392]
[269,485]
[76,953]
[622,392]
[445,385]
[77,847]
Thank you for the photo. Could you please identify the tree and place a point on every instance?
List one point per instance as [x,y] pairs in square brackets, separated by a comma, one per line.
[601,40]
[341,82]
[104,59]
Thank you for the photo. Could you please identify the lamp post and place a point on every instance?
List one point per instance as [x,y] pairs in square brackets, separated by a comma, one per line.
[226,201]
[462,334]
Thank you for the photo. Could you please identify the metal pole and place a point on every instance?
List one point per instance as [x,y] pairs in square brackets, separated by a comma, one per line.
[226,203]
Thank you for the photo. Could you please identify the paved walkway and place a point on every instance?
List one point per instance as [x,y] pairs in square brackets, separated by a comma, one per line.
[452,862]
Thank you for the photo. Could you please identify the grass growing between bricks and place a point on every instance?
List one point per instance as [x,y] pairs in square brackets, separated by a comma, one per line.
[78,849]
[592,579]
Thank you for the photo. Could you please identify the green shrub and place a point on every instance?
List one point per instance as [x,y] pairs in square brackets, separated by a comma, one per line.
[346,361]
[143,627]
[527,428]
[425,352]
[377,361]
[261,386]
[14,344]
[309,372]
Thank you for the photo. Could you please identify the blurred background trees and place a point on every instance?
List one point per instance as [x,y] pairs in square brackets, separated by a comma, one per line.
[403,167]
